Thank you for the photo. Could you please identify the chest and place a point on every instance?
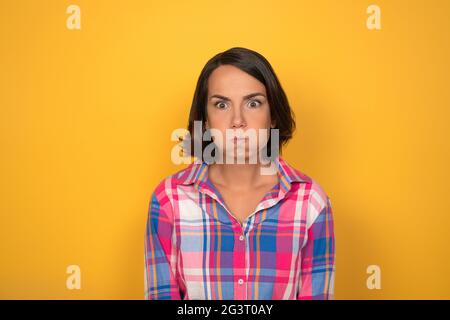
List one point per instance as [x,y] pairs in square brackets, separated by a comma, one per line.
[242,204]
[215,251]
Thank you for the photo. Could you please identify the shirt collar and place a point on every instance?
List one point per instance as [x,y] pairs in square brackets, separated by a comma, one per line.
[196,173]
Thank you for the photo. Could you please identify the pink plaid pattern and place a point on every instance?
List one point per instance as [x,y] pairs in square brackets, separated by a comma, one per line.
[196,249]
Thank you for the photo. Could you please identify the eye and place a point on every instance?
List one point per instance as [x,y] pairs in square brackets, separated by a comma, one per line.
[254,103]
[220,105]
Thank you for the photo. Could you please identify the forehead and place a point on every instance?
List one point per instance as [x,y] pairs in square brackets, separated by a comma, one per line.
[231,81]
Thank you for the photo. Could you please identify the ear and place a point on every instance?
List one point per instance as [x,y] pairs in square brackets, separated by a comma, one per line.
[206,124]
[273,124]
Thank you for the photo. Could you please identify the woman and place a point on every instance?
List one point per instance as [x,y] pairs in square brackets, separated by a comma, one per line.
[228,229]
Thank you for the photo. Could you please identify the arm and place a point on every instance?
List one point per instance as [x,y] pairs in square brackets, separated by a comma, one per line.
[160,267]
[317,265]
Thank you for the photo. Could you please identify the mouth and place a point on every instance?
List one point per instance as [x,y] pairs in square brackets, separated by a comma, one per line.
[239,139]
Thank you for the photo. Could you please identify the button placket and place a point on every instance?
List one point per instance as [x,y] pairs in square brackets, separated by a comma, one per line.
[240,247]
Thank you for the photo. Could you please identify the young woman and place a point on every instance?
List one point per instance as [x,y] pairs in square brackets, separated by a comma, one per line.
[227,229]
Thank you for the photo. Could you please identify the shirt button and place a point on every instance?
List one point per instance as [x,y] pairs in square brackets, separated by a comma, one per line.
[241,238]
[240,281]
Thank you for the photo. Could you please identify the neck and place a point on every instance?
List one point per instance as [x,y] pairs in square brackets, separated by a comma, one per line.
[239,176]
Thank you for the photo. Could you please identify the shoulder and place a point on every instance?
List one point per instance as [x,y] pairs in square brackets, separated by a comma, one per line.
[164,194]
[166,188]
[318,197]
[315,194]
[311,188]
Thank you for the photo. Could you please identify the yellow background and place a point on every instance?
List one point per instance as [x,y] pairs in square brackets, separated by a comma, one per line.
[86,117]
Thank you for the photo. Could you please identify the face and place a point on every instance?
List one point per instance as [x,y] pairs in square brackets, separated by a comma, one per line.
[237,100]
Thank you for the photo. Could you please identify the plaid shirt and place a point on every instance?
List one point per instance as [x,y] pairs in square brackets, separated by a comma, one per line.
[196,249]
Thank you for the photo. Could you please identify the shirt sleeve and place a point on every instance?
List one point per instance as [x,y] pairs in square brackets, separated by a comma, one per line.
[318,263]
[159,251]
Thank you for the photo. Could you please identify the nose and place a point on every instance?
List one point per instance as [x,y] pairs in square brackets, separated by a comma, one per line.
[238,120]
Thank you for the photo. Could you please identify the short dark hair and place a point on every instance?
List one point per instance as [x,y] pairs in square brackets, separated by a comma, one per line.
[257,66]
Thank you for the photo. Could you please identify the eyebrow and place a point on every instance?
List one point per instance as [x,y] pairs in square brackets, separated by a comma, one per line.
[246,97]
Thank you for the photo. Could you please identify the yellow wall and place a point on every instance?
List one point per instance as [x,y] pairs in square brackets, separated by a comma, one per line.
[86,117]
